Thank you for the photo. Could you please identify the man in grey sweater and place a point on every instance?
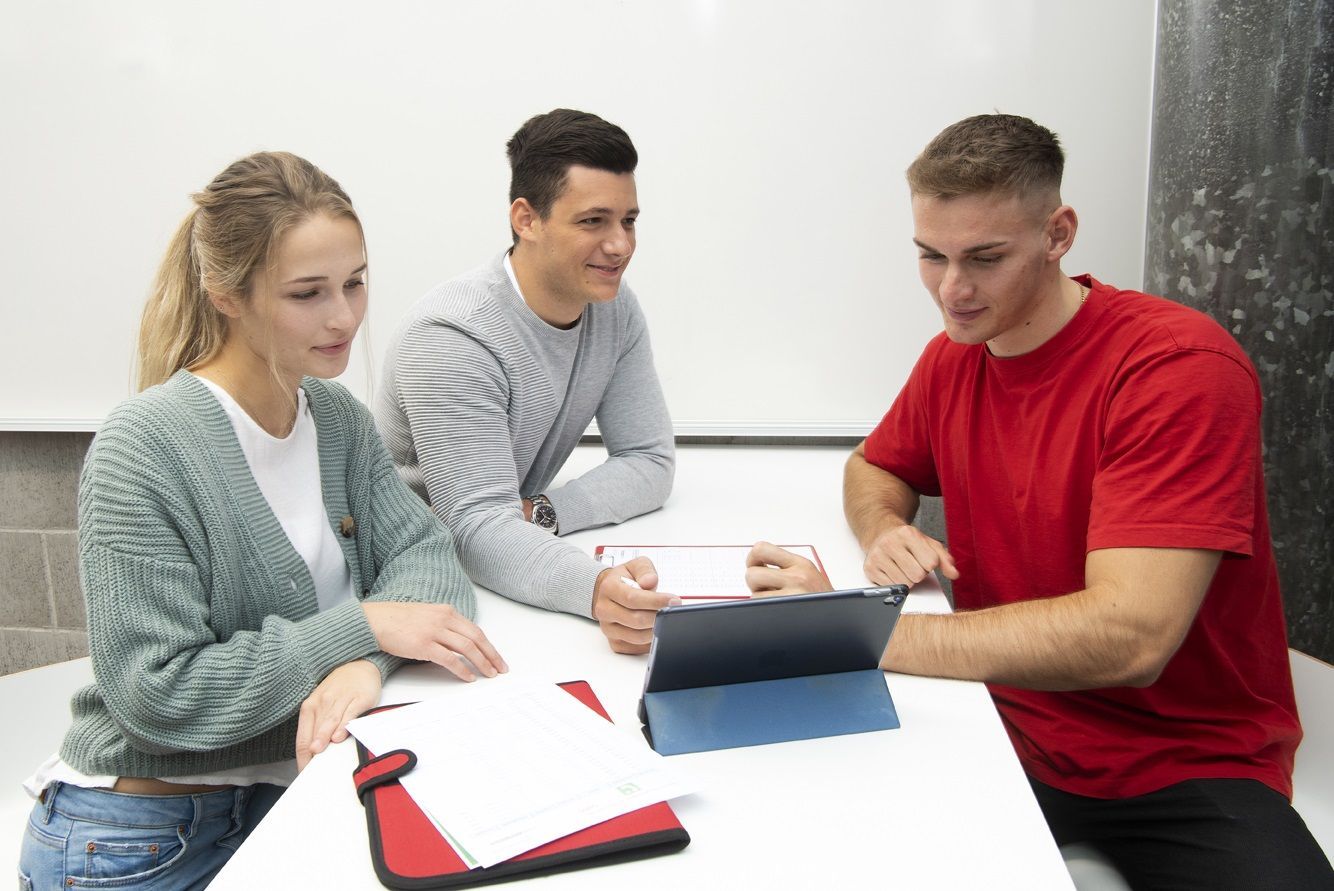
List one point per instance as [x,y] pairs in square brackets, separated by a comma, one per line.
[493,377]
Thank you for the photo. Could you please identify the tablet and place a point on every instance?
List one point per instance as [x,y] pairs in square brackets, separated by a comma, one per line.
[736,642]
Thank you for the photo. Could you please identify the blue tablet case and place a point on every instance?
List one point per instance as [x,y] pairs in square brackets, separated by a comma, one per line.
[701,719]
[768,671]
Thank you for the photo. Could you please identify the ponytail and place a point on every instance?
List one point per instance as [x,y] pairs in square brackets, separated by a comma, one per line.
[180,327]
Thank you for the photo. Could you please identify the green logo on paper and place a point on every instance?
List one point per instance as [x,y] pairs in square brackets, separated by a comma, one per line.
[628,788]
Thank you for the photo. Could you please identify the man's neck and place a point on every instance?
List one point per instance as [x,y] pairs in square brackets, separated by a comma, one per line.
[546,304]
[1061,299]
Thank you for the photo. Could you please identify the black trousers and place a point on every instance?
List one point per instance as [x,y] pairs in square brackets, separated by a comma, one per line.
[1215,834]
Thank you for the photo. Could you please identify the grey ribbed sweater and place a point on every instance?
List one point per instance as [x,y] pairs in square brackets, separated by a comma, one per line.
[482,403]
[203,623]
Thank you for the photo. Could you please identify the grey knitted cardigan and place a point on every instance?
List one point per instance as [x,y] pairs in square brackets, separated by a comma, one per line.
[203,624]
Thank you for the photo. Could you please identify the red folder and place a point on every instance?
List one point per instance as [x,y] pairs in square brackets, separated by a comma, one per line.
[409,852]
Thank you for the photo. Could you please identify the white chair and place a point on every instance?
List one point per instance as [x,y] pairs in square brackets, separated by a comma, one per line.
[1090,871]
[1313,775]
[37,705]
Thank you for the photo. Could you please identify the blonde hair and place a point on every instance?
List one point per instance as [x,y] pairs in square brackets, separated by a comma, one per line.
[234,229]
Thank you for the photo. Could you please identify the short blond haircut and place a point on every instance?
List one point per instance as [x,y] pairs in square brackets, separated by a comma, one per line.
[989,153]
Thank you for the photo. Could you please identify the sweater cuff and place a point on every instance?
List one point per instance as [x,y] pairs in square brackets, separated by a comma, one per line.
[574,510]
[570,585]
[387,663]
[333,637]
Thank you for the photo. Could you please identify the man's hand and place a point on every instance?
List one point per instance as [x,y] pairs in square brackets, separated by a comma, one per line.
[345,693]
[771,571]
[625,604]
[433,632]
[904,555]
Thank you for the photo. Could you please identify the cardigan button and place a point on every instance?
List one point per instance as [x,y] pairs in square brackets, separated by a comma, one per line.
[347,526]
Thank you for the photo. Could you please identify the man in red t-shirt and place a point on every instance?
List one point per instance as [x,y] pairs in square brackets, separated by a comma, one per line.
[1098,452]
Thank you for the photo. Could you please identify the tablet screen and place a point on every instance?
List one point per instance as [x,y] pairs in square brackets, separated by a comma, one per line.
[705,644]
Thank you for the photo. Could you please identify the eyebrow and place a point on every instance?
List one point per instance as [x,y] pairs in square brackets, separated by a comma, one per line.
[323,278]
[975,249]
[605,211]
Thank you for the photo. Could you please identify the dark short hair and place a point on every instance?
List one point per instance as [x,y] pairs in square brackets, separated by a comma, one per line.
[546,146]
[988,153]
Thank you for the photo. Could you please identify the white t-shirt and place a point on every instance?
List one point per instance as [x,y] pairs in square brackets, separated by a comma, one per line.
[288,474]
[287,471]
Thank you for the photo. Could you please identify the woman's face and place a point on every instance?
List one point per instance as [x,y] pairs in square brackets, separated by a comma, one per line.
[306,309]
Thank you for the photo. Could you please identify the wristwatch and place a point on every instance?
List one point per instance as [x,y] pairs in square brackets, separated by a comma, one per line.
[544,515]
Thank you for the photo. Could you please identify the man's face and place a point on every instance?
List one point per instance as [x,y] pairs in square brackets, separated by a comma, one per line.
[982,257]
[588,238]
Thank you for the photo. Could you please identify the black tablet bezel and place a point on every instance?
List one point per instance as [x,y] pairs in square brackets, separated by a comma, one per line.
[738,641]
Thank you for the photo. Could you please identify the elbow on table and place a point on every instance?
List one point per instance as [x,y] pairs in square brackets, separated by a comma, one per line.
[658,472]
[668,477]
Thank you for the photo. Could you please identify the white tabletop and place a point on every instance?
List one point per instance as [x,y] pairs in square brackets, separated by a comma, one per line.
[939,803]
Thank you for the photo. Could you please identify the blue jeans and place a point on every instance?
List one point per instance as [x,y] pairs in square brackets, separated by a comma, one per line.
[96,838]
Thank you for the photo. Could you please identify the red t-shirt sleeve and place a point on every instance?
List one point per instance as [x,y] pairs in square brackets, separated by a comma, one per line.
[1180,456]
[901,442]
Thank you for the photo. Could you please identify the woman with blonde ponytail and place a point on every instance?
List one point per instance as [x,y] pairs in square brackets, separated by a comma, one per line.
[253,565]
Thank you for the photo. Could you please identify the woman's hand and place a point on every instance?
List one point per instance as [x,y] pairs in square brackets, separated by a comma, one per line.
[345,693]
[433,632]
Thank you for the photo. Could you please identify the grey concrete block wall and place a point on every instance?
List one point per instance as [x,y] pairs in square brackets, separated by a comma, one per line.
[41,604]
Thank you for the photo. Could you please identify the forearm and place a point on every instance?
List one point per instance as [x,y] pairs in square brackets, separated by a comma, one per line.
[1057,643]
[874,500]
[479,502]
[627,484]
[522,562]
[1120,630]
[173,692]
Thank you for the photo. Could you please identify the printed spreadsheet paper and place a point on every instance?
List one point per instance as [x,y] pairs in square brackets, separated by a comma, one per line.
[505,765]
[701,572]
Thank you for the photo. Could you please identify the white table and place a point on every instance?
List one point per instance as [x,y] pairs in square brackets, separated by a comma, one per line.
[939,803]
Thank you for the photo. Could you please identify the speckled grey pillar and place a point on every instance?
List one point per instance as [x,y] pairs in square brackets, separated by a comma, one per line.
[1241,200]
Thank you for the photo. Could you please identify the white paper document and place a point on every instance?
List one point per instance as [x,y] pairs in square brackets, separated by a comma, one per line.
[506,765]
[701,572]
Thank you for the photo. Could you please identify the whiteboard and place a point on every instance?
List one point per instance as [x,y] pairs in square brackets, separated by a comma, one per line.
[774,260]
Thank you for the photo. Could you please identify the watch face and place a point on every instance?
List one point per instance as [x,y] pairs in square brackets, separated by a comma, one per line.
[544,515]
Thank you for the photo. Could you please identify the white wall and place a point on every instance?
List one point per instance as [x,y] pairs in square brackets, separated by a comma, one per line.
[774,262]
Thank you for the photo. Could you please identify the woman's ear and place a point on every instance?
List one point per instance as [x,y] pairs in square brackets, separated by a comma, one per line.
[227,304]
